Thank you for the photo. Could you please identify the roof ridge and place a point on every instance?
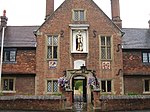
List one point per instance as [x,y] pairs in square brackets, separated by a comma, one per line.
[136,28]
[25,26]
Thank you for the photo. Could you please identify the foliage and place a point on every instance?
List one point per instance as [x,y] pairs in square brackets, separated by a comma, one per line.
[132,93]
[81,89]
[78,84]
[57,94]
[1,94]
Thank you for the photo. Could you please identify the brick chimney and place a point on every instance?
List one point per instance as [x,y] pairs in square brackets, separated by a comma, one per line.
[149,23]
[49,7]
[115,11]
[3,20]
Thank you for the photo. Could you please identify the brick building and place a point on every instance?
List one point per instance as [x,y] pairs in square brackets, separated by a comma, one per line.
[77,42]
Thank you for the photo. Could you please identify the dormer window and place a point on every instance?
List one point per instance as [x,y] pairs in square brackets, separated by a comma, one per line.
[78,15]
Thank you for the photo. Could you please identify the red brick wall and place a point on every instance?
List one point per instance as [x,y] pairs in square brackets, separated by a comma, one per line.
[60,20]
[133,84]
[28,103]
[25,62]
[124,103]
[24,84]
[132,63]
[134,71]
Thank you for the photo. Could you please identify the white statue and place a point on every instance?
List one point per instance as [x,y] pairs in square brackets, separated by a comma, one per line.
[79,41]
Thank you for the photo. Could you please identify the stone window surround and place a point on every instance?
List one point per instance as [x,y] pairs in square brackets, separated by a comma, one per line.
[79,27]
[111,39]
[9,50]
[73,14]
[52,45]
[106,86]
[14,81]
[148,56]
[146,92]
[51,79]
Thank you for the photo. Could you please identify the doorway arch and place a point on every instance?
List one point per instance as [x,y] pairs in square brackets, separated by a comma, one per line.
[79,87]
[85,76]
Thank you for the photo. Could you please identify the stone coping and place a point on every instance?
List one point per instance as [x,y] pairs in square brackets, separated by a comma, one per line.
[103,97]
[22,97]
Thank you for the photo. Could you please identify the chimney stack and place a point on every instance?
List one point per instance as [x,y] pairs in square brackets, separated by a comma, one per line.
[49,7]
[3,20]
[115,11]
[149,23]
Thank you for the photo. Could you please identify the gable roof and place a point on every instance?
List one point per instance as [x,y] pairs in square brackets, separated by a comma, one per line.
[19,36]
[92,2]
[135,38]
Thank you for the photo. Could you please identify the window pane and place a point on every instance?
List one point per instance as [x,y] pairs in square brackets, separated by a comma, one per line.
[145,58]
[81,15]
[50,40]
[108,41]
[108,86]
[102,40]
[55,52]
[49,86]
[103,86]
[103,53]
[6,55]
[5,84]
[55,41]
[12,55]
[76,16]
[49,52]
[108,53]
[147,84]
[11,84]
[149,57]
[55,86]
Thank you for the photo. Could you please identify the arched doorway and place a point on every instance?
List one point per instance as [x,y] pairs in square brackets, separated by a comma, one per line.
[79,86]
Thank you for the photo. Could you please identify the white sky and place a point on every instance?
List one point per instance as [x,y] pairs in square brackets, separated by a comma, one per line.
[134,13]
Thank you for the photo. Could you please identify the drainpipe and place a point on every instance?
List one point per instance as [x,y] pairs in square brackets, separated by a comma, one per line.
[1,60]
[3,25]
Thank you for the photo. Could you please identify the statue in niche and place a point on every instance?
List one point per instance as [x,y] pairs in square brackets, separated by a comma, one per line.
[79,41]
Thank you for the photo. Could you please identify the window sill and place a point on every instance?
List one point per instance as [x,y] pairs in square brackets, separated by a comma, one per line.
[9,62]
[79,52]
[106,59]
[106,93]
[146,63]
[8,91]
[148,92]
[53,93]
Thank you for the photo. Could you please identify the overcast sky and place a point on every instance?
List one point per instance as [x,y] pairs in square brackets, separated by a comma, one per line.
[134,13]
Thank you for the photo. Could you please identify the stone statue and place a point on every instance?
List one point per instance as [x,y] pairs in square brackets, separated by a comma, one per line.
[79,41]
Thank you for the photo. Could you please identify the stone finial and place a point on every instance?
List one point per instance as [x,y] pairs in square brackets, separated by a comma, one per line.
[3,19]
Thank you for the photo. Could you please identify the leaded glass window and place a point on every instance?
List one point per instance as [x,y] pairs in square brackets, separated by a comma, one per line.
[52,86]
[105,47]
[49,86]
[55,86]
[52,48]
[79,15]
